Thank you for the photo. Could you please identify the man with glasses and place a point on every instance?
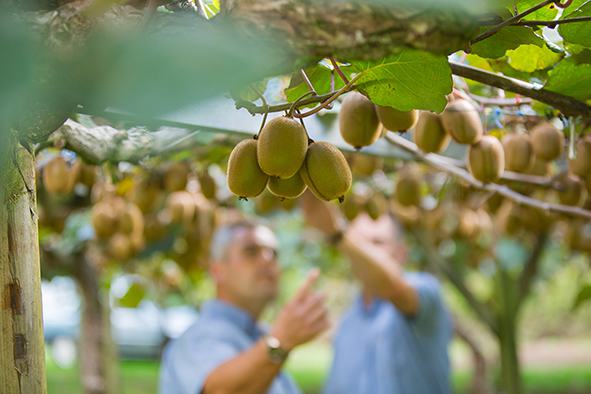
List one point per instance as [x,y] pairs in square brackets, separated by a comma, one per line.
[226,350]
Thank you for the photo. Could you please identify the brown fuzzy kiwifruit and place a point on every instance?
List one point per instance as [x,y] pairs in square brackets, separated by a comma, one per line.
[468,223]
[570,191]
[175,176]
[351,206]
[365,165]
[281,147]
[461,121]
[538,167]
[87,174]
[396,120]
[486,159]
[376,206]
[207,184]
[245,177]
[155,227]
[325,171]
[131,220]
[120,247]
[581,164]
[429,134]
[547,141]
[105,216]
[358,121]
[408,187]
[181,207]
[518,152]
[59,177]
[287,188]
[147,193]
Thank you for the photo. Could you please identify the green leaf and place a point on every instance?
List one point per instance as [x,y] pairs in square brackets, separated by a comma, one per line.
[546,13]
[583,296]
[250,92]
[570,79]
[530,58]
[507,38]
[579,32]
[133,296]
[409,80]
[319,76]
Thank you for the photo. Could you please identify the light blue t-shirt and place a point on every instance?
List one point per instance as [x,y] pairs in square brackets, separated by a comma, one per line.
[379,350]
[221,332]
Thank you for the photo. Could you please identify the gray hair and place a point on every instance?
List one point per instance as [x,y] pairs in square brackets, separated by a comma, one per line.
[224,235]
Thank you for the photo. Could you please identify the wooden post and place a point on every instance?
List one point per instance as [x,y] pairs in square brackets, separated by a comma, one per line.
[22,351]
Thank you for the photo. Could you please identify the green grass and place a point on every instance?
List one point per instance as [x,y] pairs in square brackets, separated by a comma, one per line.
[309,366]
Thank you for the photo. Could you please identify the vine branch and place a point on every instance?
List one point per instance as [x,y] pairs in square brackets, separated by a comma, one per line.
[531,266]
[553,24]
[495,29]
[567,105]
[436,161]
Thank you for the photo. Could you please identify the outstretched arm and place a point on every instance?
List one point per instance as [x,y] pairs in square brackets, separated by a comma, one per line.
[252,371]
[370,247]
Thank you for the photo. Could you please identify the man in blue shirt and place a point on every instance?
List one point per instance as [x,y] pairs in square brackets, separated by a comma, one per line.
[226,351]
[395,336]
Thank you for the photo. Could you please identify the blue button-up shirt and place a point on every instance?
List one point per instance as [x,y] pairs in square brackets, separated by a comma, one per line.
[221,332]
[379,350]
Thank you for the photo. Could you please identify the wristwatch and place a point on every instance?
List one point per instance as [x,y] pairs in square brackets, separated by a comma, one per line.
[276,353]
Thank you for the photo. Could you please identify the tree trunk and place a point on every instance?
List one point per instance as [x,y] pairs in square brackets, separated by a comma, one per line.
[510,373]
[22,351]
[479,383]
[98,360]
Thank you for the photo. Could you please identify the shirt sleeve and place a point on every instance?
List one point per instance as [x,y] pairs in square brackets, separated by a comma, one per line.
[188,363]
[431,307]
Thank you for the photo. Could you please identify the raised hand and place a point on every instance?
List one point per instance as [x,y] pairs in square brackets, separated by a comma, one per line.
[302,318]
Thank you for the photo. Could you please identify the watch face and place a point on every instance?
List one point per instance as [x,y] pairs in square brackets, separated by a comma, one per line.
[276,353]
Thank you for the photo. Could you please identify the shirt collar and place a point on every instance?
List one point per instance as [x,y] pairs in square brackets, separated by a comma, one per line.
[219,309]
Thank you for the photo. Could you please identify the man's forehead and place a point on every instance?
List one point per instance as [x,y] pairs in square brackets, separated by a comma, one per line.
[259,235]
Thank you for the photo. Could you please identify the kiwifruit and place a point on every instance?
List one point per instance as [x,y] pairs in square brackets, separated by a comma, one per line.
[282,145]
[104,219]
[147,193]
[351,206]
[245,177]
[181,207]
[581,165]
[131,220]
[58,175]
[326,172]
[538,167]
[396,120]
[358,120]
[461,121]
[518,152]
[207,184]
[468,223]
[366,165]
[546,141]
[486,159]
[265,203]
[408,187]
[175,176]
[87,174]
[287,188]
[571,190]
[120,247]
[408,216]
[429,134]
[376,205]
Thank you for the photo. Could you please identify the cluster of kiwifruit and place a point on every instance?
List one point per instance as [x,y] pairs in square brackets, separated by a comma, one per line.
[284,160]
[164,202]
[361,122]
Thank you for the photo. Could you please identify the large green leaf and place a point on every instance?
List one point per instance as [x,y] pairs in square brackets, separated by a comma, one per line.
[545,13]
[577,33]
[530,58]
[409,80]
[570,79]
[507,38]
